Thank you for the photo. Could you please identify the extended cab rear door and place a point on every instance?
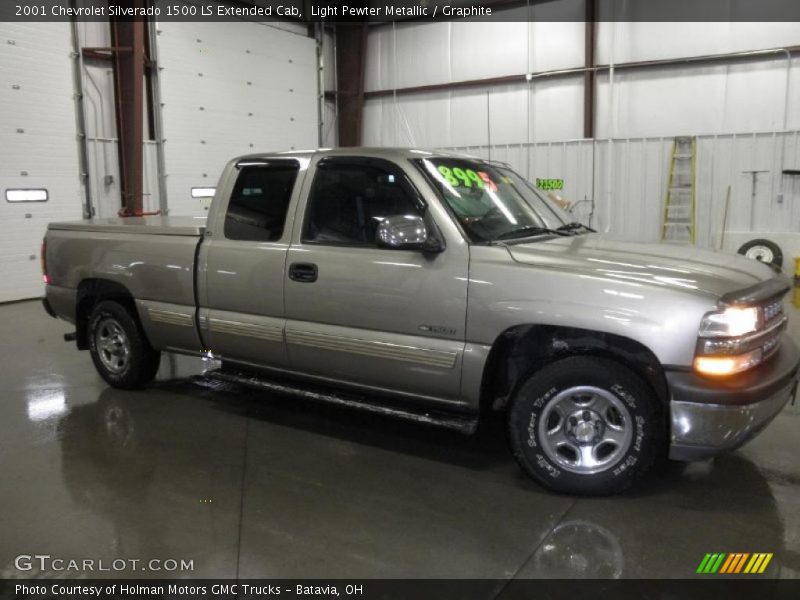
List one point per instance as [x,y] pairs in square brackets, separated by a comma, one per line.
[242,260]
[368,315]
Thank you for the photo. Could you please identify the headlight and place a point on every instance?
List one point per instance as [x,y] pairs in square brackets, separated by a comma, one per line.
[735,339]
[730,322]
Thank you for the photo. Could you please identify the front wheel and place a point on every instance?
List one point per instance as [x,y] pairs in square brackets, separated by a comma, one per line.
[585,425]
[120,352]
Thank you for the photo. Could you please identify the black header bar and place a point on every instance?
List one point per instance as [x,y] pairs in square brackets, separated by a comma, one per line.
[385,11]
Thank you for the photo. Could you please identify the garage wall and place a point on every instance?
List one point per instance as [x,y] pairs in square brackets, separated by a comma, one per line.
[760,94]
[627,177]
[229,89]
[39,149]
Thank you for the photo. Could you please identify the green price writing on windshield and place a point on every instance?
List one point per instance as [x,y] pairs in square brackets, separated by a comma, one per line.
[458,177]
[461,177]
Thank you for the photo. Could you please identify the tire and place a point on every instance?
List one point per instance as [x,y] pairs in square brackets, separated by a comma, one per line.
[763,251]
[610,434]
[120,351]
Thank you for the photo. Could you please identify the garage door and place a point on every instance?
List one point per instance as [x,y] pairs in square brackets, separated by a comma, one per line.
[229,89]
[39,173]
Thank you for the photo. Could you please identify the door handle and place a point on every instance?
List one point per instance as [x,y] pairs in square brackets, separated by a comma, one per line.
[303,272]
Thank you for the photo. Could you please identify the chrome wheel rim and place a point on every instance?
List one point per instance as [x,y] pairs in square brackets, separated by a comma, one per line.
[585,429]
[761,253]
[112,345]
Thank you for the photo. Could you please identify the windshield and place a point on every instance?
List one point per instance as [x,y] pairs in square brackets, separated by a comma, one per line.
[492,202]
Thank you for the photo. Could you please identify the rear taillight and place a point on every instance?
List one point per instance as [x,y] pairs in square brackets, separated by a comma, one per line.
[43,258]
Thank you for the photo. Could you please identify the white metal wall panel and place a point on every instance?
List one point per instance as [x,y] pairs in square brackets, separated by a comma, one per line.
[794,95]
[504,114]
[634,41]
[480,49]
[628,179]
[39,149]
[415,55]
[407,55]
[723,98]
[229,89]
[557,109]
[376,61]
[469,117]
[557,45]
[509,114]
[704,100]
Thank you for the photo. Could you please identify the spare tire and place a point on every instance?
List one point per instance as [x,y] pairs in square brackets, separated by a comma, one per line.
[764,251]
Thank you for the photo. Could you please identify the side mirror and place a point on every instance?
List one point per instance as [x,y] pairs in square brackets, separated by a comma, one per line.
[404,232]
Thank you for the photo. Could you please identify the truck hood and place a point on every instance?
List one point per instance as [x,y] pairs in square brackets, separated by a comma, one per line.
[684,268]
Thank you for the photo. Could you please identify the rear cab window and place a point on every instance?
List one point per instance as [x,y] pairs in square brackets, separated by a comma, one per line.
[260,200]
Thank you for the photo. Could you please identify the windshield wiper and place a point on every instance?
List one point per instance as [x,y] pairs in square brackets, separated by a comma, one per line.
[527,231]
[573,226]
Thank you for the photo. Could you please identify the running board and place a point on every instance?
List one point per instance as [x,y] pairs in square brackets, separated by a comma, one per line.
[466,424]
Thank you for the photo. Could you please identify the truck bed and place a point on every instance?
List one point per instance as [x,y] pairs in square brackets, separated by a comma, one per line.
[150,225]
[151,258]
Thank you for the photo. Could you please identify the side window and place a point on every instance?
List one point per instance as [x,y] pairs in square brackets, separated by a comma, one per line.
[260,199]
[350,197]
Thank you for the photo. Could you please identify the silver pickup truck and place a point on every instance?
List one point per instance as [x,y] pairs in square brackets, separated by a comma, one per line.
[439,287]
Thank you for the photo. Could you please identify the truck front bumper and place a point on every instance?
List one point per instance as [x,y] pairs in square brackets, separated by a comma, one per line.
[709,417]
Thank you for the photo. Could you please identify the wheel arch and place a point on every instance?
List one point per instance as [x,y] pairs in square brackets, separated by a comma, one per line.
[90,293]
[521,350]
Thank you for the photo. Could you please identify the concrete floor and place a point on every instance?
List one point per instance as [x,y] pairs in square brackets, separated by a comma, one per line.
[252,486]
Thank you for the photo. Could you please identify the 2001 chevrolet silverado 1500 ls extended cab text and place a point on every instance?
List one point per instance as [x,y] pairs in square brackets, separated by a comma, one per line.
[438,287]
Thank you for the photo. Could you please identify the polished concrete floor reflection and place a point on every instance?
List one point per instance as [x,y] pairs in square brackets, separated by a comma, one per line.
[245,485]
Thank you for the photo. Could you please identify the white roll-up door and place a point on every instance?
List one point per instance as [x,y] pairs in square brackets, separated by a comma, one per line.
[229,89]
[39,149]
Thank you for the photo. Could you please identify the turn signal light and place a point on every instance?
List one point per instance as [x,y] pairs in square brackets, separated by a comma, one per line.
[721,366]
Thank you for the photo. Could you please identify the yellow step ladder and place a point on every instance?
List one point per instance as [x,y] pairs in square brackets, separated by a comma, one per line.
[678,224]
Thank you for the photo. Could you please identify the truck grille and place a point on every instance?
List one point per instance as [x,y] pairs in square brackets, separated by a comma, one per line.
[772,311]
[774,324]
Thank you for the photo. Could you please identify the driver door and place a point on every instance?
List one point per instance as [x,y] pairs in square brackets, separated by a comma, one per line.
[367,315]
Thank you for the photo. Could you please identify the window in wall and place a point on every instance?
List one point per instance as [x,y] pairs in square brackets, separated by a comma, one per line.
[350,197]
[27,195]
[203,192]
[260,200]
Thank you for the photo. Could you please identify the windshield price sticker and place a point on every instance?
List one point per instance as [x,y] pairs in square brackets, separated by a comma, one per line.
[458,177]
[550,184]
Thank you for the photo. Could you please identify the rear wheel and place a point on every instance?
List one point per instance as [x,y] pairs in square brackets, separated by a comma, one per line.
[120,352]
[585,425]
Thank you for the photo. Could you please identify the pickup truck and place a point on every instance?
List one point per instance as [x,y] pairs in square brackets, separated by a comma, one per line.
[440,288]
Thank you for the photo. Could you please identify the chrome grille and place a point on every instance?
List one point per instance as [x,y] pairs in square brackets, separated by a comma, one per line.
[772,311]
[773,324]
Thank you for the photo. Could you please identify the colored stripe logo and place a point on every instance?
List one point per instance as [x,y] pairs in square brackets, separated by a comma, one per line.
[734,563]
